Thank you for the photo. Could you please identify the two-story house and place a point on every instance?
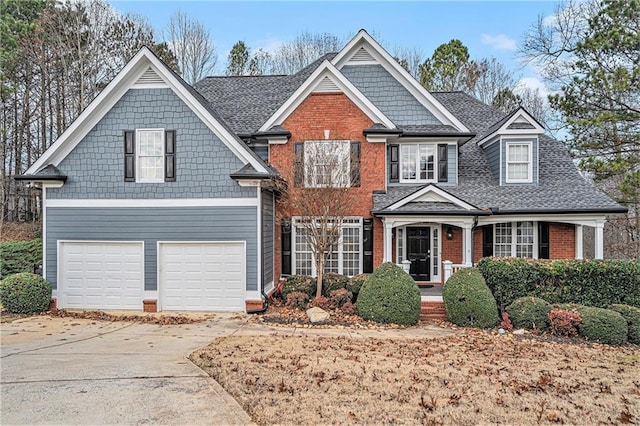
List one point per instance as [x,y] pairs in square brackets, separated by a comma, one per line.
[162,195]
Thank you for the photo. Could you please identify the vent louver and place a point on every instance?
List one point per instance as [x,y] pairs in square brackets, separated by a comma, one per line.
[150,77]
[362,55]
[327,85]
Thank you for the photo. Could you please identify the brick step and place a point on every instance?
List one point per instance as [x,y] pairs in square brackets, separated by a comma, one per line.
[432,310]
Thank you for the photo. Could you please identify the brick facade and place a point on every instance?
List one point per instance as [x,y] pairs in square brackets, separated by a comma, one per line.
[345,121]
[562,241]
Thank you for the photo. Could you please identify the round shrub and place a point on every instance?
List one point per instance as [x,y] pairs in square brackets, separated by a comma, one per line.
[468,301]
[602,325]
[299,283]
[529,312]
[389,296]
[332,281]
[297,300]
[339,297]
[25,293]
[632,315]
[355,284]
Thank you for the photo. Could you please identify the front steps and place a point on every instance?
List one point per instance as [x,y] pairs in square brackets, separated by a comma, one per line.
[432,310]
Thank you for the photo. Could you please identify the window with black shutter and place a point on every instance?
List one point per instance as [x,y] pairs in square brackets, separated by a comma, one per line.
[367,246]
[487,241]
[285,233]
[298,164]
[170,156]
[129,156]
[394,163]
[543,240]
[355,164]
[443,167]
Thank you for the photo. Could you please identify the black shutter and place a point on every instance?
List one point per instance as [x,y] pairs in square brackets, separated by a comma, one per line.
[355,164]
[285,232]
[129,156]
[170,156]
[487,241]
[367,246]
[298,164]
[543,240]
[394,163]
[443,168]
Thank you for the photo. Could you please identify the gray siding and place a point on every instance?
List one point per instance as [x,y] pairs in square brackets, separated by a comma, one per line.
[388,94]
[95,167]
[492,152]
[150,225]
[534,154]
[452,166]
[267,236]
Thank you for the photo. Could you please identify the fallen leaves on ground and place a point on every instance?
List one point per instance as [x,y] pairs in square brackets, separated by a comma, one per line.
[472,377]
[148,319]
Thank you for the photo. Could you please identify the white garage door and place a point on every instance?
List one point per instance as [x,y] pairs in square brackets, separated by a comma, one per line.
[101,275]
[202,276]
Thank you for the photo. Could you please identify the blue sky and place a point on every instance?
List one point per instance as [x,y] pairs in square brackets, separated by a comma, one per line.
[486,28]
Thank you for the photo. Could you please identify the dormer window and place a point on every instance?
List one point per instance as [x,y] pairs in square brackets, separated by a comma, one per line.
[417,163]
[519,164]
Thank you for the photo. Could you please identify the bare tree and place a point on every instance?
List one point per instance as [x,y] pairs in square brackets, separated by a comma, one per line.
[192,45]
[292,56]
[410,59]
[494,78]
[322,196]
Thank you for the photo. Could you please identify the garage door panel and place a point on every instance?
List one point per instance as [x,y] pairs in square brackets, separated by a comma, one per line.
[101,275]
[203,276]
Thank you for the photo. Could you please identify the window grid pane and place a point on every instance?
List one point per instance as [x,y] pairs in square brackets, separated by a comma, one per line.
[503,240]
[400,242]
[518,162]
[151,155]
[304,258]
[434,252]
[327,163]
[524,239]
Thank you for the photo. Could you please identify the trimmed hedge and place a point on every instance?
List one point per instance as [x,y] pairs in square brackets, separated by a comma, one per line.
[587,282]
[355,284]
[332,282]
[299,283]
[25,293]
[20,256]
[389,295]
[599,324]
[632,315]
[529,313]
[468,301]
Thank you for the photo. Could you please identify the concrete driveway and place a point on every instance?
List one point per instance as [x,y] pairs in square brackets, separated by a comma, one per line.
[75,371]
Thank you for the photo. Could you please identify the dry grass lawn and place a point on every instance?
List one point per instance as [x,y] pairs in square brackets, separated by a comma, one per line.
[470,378]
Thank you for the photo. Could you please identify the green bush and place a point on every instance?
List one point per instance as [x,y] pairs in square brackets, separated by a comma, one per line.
[587,282]
[355,284]
[25,293]
[389,296]
[339,297]
[299,283]
[529,313]
[20,256]
[602,325]
[632,316]
[468,301]
[332,281]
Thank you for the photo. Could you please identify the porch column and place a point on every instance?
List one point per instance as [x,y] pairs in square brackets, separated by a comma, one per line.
[388,226]
[599,242]
[579,242]
[467,243]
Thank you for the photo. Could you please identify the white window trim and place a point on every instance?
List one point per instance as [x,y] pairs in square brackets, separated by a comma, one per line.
[401,252]
[314,272]
[529,163]
[434,146]
[514,237]
[137,150]
[311,181]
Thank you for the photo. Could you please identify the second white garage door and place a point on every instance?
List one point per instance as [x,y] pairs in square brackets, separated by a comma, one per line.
[202,276]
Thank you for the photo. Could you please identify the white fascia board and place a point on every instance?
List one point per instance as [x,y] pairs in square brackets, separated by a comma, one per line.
[114,91]
[395,221]
[504,131]
[435,190]
[586,219]
[393,67]
[152,203]
[326,69]
[248,182]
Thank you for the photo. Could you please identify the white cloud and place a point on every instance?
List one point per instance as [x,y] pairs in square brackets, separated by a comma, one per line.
[550,20]
[268,44]
[533,83]
[499,41]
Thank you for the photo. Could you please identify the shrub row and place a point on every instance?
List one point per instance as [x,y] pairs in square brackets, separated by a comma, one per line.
[614,326]
[19,256]
[330,283]
[595,283]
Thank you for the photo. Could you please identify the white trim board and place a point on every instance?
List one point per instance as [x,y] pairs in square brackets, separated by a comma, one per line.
[382,57]
[167,202]
[326,69]
[439,195]
[519,114]
[114,91]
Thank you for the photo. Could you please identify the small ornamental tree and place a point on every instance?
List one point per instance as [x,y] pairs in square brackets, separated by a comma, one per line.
[321,196]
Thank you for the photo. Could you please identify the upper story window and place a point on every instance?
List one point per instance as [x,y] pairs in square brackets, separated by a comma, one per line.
[519,162]
[150,158]
[327,163]
[418,163]
[150,155]
[515,239]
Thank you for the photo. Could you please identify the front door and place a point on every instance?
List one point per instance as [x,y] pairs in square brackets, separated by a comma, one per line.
[419,252]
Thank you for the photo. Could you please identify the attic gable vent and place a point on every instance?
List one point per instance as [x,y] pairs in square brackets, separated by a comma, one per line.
[150,77]
[326,85]
[362,55]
